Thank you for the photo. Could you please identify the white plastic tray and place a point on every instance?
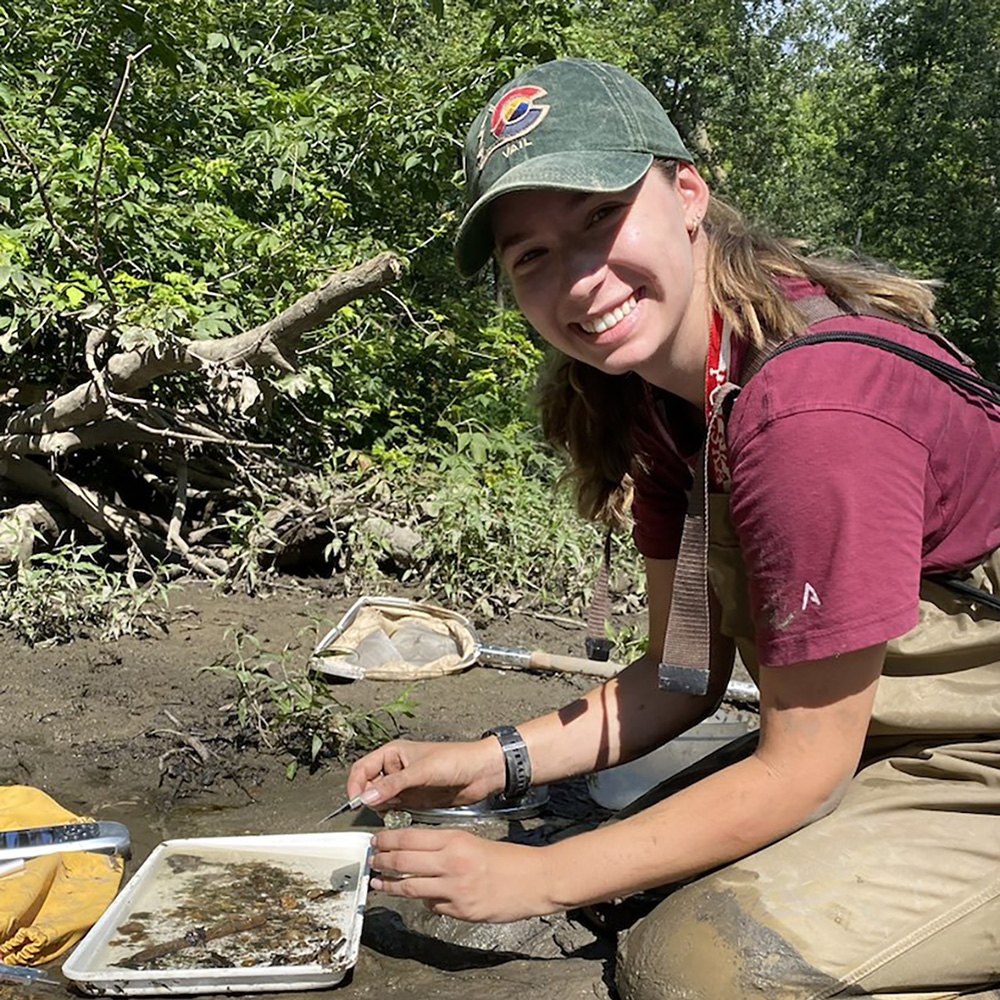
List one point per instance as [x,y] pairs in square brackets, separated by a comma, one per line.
[91,964]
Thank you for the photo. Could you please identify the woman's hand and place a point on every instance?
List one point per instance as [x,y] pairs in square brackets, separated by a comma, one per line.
[460,875]
[407,775]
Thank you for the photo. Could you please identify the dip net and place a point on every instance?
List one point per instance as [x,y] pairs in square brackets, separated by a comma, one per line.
[394,639]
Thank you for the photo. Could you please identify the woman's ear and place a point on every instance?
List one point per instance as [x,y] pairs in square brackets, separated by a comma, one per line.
[694,195]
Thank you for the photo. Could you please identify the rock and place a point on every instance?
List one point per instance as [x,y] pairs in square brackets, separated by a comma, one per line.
[405,928]
[377,977]
[18,527]
[400,541]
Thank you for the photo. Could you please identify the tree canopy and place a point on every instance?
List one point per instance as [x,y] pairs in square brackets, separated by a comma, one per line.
[184,172]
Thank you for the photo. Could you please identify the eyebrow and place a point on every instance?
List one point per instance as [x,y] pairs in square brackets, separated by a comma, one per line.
[510,241]
[576,198]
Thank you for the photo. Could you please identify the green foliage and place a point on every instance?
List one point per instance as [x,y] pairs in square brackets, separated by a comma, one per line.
[493,532]
[500,535]
[259,147]
[924,142]
[629,642]
[294,713]
[67,594]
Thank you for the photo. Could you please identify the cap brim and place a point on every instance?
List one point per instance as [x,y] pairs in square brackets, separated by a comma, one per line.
[563,171]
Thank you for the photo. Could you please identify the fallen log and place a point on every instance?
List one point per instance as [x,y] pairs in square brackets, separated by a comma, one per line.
[206,460]
[272,344]
[109,519]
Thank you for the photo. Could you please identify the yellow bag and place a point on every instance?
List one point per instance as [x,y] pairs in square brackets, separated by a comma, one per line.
[55,899]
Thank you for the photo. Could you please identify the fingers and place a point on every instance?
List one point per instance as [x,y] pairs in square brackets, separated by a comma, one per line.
[418,775]
[445,869]
[408,852]
[387,759]
[416,784]
[363,771]
[415,839]
[427,889]
[411,855]
[409,864]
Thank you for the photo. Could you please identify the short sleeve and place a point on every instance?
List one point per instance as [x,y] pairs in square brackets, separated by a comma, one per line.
[829,508]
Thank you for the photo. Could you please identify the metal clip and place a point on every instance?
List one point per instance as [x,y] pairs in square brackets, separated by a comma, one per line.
[682,680]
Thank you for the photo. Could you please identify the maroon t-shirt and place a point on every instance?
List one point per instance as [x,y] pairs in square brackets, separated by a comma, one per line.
[853,473]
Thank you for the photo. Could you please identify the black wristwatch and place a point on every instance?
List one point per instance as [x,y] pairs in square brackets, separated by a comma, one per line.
[517,764]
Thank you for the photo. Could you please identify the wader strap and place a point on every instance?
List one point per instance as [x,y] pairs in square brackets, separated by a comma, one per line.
[687,646]
[971,382]
[816,308]
[819,308]
[964,589]
[597,644]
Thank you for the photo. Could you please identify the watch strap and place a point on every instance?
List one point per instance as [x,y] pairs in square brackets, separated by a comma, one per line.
[517,764]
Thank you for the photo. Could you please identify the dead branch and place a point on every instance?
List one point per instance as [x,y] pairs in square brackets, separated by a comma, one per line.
[118,431]
[272,344]
[109,519]
[26,159]
[110,432]
[201,483]
[84,504]
[180,506]
[95,198]
[189,740]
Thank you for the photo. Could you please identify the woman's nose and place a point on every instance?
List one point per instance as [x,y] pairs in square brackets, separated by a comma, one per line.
[583,274]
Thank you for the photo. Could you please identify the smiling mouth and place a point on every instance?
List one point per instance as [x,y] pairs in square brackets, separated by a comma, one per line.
[612,318]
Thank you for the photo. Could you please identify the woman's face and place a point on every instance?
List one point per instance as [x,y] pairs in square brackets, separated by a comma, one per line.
[613,280]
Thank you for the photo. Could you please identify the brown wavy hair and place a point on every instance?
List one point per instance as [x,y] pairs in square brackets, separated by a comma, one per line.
[589,415]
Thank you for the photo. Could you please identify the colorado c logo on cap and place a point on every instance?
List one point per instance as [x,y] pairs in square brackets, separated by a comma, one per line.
[516,112]
[514,115]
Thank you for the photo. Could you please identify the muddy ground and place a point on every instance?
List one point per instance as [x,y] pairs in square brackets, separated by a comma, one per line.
[105,729]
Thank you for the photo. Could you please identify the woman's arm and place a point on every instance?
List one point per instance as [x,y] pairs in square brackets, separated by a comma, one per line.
[814,717]
[629,715]
[622,719]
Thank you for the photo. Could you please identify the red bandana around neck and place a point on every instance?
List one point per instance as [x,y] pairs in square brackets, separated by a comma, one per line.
[719,363]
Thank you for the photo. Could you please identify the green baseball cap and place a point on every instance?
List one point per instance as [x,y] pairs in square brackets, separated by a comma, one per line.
[571,124]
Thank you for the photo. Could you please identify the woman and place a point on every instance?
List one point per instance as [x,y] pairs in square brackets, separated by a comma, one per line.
[856,850]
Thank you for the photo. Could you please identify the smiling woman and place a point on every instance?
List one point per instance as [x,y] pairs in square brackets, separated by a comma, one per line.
[853,849]
[608,278]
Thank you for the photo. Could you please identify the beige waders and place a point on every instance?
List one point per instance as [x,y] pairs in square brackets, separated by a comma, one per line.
[896,893]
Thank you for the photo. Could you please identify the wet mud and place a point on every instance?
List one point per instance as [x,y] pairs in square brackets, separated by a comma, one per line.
[138,732]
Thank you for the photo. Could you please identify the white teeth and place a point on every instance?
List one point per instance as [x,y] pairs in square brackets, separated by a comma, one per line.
[609,319]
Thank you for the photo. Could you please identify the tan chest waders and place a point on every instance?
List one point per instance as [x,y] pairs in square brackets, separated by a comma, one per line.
[896,892]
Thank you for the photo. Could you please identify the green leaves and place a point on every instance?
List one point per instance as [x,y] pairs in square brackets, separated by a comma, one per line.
[260,147]
[920,153]
[66,593]
[290,711]
[279,178]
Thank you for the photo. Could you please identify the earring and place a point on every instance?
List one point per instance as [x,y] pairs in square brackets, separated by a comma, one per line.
[694,224]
